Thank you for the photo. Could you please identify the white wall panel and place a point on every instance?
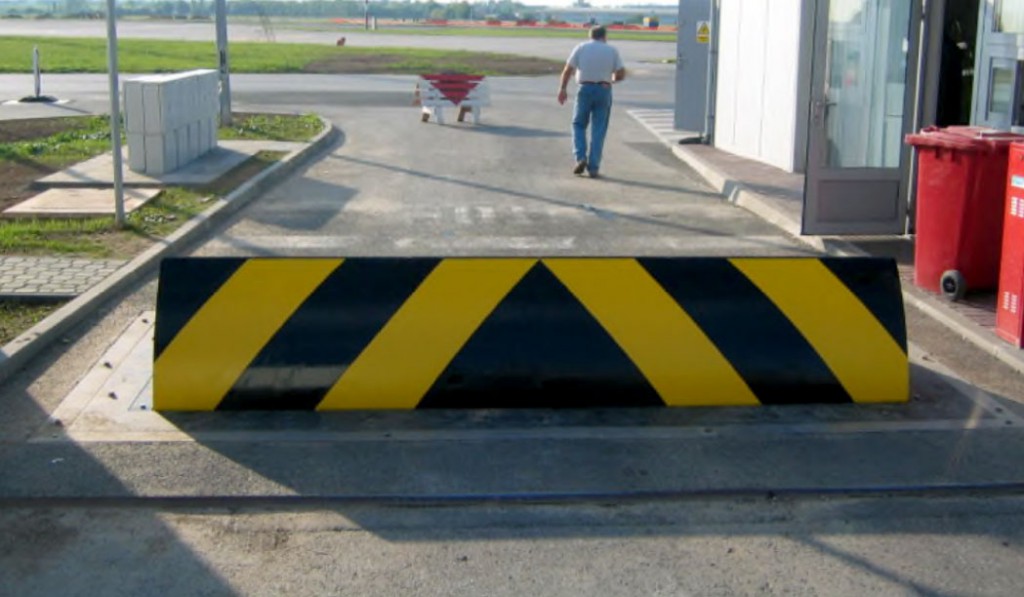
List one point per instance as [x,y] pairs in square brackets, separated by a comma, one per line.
[728,73]
[759,86]
[750,109]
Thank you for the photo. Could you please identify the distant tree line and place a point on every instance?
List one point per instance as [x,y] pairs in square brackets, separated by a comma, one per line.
[204,9]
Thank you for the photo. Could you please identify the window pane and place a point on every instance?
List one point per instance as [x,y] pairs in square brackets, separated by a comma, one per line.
[867,82]
[1010,16]
[1001,94]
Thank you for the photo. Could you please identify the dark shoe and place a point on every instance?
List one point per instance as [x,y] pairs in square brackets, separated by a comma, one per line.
[580,167]
[593,174]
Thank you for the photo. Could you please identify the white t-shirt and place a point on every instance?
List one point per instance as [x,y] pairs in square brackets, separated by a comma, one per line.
[594,61]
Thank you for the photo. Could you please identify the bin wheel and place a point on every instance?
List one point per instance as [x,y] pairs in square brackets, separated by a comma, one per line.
[953,285]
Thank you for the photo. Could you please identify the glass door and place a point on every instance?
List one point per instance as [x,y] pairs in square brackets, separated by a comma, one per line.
[998,88]
[860,97]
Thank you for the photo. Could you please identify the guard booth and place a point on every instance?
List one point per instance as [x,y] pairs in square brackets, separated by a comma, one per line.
[830,88]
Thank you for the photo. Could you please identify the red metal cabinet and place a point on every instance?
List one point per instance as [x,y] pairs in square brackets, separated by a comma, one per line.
[1009,320]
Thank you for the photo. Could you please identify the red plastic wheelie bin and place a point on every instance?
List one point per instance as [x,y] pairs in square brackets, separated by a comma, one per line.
[961,186]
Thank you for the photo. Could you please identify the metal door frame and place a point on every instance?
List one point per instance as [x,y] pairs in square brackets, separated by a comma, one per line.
[995,49]
[817,172]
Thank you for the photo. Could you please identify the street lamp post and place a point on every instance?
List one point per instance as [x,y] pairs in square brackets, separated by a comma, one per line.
[115,113]
[222,60]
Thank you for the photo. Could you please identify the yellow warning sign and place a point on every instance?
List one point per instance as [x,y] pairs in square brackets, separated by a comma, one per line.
[703,32]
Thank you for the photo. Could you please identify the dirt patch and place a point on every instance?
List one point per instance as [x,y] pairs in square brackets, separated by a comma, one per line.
[12,131]
[366,64]
[15,318]
[17,176]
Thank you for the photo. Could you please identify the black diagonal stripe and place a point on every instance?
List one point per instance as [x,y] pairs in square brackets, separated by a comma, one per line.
[751,332]
[876,282]
[540,348]
[185,286]
[324,336]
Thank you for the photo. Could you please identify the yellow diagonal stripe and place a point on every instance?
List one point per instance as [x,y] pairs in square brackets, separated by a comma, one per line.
[862,355]
[676,357]
[398,367]
[214,348]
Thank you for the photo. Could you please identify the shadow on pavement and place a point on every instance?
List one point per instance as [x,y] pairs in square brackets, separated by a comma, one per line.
[603,212]
[513,131]
[45,549]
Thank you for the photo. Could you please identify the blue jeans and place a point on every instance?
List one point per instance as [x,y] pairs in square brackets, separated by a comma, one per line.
[593,107]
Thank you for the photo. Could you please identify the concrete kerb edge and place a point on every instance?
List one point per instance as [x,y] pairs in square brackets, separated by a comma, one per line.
[738,194]
[18,352]
[963,327]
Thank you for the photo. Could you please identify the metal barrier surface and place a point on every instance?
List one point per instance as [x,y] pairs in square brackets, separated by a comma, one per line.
[403,333]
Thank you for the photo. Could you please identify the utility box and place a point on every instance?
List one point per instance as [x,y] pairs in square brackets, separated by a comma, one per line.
[170,120]
[693,45]
[1009,316]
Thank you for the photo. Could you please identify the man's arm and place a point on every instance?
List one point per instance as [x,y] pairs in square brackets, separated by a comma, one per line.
[619,74]
[564,82]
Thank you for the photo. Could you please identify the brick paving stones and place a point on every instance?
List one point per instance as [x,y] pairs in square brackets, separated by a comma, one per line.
[51,277]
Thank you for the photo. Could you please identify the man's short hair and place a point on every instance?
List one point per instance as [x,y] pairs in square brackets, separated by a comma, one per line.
[598,32]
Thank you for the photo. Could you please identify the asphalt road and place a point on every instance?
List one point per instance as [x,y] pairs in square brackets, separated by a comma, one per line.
[813,500]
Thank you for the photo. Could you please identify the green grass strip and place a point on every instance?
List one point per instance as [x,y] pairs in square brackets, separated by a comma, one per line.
[279,128]
[55,237]
[86,137]
[88,55]
[16,317]
[538,32]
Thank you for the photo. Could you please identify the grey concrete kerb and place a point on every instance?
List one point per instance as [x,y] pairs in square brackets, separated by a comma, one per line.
[22,349]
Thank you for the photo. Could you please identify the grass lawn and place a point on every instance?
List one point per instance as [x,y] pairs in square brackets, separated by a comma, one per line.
[16,317]
[24,159]
[412,28]
[580,34]
[81,139]
[88,55]
[33,148]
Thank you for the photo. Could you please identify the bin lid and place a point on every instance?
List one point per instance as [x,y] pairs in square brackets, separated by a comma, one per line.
[964,138]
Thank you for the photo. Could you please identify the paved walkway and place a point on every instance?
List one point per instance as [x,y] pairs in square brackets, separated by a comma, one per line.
[51,277]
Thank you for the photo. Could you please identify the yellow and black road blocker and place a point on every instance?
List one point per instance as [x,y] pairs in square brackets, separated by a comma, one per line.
[403,333]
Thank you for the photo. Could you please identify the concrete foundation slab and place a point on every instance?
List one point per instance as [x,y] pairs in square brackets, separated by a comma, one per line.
[99,171]
[112,403]
[78,203]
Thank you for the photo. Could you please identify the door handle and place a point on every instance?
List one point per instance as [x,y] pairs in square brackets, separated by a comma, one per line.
[821,109]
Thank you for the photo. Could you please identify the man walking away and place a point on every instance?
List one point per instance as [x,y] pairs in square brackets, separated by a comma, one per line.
[597,65]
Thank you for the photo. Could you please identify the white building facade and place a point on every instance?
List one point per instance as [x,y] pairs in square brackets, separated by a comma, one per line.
[829,89]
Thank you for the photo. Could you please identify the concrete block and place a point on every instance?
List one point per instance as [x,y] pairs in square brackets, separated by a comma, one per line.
[181,108]
[200,135]
[154,112]
[182,103]
[214,126]
[171,106]
[210,93]
[161,154]
[181,145]
[209,134]
[134,111]
[137,152]
[193,140]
